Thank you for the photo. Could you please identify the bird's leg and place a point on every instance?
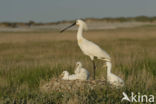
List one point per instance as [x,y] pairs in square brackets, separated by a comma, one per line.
[94,68]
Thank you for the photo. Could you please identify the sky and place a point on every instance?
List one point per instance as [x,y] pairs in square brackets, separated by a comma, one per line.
[58,10]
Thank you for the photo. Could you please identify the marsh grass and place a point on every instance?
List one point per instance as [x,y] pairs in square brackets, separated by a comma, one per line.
[28,58]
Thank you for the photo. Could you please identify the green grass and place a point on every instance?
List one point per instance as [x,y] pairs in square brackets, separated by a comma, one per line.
[24,64]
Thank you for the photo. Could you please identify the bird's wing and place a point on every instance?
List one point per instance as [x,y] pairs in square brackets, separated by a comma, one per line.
[72,77]
[91,48]
[117,79]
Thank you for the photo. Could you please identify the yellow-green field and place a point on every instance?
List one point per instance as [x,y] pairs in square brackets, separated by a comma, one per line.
[26,58]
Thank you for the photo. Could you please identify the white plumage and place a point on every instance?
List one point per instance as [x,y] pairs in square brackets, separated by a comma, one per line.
[89,48]
[112,78]
[66,76]
[81,73]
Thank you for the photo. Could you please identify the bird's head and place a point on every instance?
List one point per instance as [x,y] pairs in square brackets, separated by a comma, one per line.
[78,22]
[78,64]
[64,73]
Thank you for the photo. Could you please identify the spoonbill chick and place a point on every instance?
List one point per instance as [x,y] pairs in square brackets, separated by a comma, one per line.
[66,76]
[89,48]
[112,78]
[81,73]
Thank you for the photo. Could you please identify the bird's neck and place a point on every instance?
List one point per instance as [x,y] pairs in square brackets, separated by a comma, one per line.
[79,33]
[66,75]
[79,67]
[109,66]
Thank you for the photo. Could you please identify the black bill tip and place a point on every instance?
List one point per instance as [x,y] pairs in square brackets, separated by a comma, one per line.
[68,27]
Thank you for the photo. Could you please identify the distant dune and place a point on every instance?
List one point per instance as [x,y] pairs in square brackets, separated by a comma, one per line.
[93,24]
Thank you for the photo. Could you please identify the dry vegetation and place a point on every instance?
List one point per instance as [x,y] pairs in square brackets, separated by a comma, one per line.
[27,58]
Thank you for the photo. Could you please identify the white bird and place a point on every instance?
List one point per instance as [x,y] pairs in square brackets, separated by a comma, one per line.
[89,48]
[66,76]
[112,78]
[81,73]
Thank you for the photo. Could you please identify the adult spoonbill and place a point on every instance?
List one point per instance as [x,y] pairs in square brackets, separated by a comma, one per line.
[81,73]
[89,48]
[112,78]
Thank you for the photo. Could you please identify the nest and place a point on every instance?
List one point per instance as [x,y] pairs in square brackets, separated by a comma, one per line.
[69,85]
